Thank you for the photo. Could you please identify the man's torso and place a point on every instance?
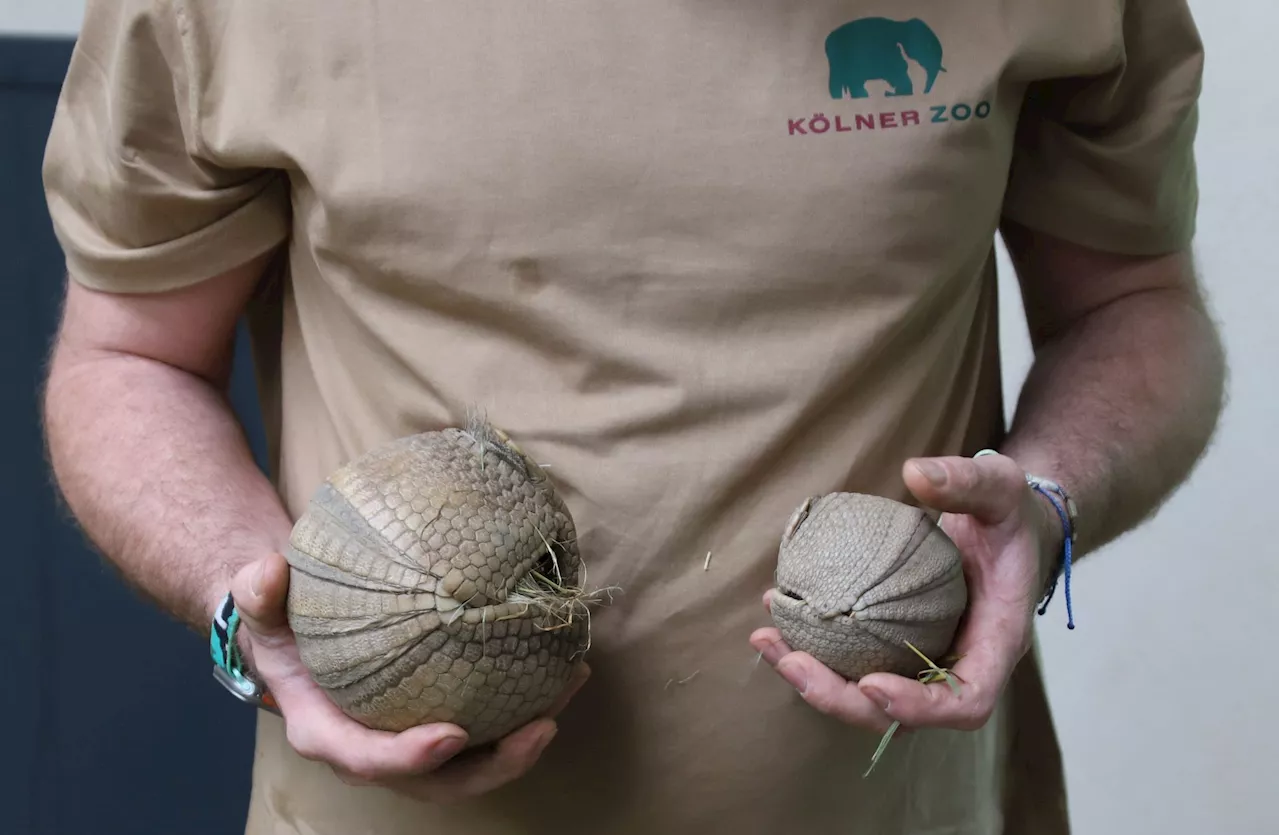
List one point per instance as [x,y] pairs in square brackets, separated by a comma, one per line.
[651,245]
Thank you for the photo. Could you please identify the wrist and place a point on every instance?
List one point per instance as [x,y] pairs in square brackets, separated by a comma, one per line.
[1064,510]
[231,653]
[1053,523]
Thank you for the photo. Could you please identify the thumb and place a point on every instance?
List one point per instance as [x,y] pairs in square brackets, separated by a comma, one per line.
[260,590]
[988,488]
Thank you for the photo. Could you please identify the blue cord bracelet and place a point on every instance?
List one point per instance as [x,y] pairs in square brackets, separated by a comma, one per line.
[1066,508]
[1068,535]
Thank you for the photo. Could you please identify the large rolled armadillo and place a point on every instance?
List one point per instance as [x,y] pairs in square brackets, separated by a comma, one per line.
[859,576]
[436,579]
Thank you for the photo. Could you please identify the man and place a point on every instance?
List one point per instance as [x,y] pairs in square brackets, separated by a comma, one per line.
[704,260]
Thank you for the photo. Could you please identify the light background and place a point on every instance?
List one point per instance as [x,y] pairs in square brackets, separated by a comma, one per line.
[1165,694]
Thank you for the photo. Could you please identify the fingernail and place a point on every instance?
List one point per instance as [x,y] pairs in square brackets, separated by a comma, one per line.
[545,739]
[795,676]
[448,748]
[933,471]
[259,578]
[881,701]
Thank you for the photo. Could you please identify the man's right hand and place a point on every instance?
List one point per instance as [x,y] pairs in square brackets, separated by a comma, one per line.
[419,762]
[156,468]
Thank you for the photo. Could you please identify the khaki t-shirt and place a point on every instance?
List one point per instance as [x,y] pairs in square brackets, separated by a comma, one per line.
[704,259]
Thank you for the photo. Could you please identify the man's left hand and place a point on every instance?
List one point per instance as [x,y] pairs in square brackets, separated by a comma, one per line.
[1009,537]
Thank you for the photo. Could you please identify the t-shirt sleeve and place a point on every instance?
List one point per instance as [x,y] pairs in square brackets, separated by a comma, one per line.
[1107,160]
[136,200]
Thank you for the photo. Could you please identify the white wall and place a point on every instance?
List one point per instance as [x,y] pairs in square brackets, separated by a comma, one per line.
[40,17]
[1165,692]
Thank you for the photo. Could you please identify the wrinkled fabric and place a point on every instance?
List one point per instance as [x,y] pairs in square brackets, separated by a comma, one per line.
[651,245]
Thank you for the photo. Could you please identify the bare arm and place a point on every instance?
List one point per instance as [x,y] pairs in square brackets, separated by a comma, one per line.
[1120,403]
[154,465]
[145,447]
[1127,384]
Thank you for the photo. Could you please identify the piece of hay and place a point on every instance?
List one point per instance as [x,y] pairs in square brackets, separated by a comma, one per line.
[929,675]
[685,680]
[558,603]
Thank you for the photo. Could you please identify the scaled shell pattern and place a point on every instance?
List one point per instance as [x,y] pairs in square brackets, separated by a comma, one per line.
[859,576]
[402,566]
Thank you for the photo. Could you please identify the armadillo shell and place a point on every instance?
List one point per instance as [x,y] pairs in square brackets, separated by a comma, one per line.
[859,576]
[401,569]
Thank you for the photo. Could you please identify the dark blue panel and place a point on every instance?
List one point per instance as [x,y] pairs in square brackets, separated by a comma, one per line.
[114,724]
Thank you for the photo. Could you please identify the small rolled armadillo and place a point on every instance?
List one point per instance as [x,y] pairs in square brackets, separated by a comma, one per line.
[435,579]
[859,576]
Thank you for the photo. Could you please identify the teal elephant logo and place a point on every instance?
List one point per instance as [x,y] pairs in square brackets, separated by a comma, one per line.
[877,49]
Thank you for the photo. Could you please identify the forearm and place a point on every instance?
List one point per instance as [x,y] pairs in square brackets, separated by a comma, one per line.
[156,469]
[1119,406]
